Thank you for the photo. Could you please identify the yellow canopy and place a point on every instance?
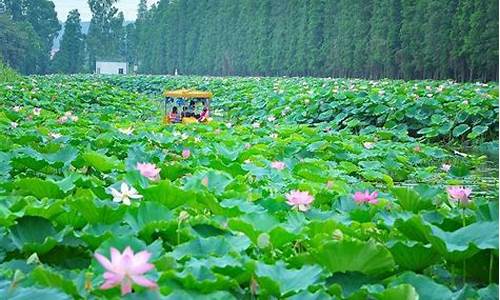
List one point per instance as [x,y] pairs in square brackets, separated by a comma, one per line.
[188,94]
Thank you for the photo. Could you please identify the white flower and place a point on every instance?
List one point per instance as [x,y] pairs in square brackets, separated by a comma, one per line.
[197,140]
[368,145]
[127,131]
[307,101]
[256,125]
[74,118]
[37,111]
[445,167]
[229,125]
[274,135]
[55,135]
[125,194]
[68,113]
[13,124]
[429,95]
[271,118]
[16,108]
[184,136]
[62,120]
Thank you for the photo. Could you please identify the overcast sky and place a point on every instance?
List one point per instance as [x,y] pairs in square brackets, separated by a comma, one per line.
[128,7]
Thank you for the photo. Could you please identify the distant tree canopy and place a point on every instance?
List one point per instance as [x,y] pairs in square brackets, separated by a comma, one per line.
[70,58]
[27,31]
[346,38]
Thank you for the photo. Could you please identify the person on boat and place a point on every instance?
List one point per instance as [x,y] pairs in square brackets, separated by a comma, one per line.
[174,115]
[204,115]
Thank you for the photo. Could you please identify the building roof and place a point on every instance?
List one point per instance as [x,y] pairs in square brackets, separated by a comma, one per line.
[111,61]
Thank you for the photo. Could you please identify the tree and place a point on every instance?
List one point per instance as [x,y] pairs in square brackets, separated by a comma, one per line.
[347,38]
[69,59]
[21,47]
[105,34]
[42,16]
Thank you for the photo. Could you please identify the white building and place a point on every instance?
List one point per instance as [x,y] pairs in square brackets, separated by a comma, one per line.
[111,67]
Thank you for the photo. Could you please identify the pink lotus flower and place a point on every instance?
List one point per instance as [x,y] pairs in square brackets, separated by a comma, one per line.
[186,153]
[149,171]
[445,167]
[459,193]
[204,181]
[126,268]
[299,200]
[366,197]
[278,165]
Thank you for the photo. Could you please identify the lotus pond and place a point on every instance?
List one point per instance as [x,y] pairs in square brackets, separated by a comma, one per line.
[299,188]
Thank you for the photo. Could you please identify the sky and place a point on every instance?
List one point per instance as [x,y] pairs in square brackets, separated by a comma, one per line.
[128,7]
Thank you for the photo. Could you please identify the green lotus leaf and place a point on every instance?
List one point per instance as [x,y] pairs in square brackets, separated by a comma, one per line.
[410,200]
[411,255]
[21,293]
[35,234]
[460,129]
[39,188]
[278,280]
[212,246]
[399,292]
[150,217]
[354,256]
[425,287]
[47,277]
[101,162]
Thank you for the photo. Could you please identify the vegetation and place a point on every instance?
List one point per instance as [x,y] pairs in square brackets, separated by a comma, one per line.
[444,39]
[27,32]
[7,74]
[267,200]
[371,39]
[70,58]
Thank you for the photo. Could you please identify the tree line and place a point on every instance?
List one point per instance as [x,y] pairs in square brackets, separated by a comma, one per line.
[437,39]
[28,29]
[406,39]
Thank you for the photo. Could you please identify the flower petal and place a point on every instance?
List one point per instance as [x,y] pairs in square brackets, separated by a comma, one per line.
[126,287]
[143,281]
[142,268]
[104,261]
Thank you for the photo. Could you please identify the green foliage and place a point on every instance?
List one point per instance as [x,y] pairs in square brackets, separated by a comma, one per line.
[7,74]
[69,58]
[370,39]
[218,223]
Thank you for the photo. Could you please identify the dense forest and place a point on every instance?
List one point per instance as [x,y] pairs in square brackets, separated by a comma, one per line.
[345,38]
[436,39]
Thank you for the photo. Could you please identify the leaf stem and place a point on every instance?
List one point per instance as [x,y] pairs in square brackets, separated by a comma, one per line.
[464,271]
[490,274]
